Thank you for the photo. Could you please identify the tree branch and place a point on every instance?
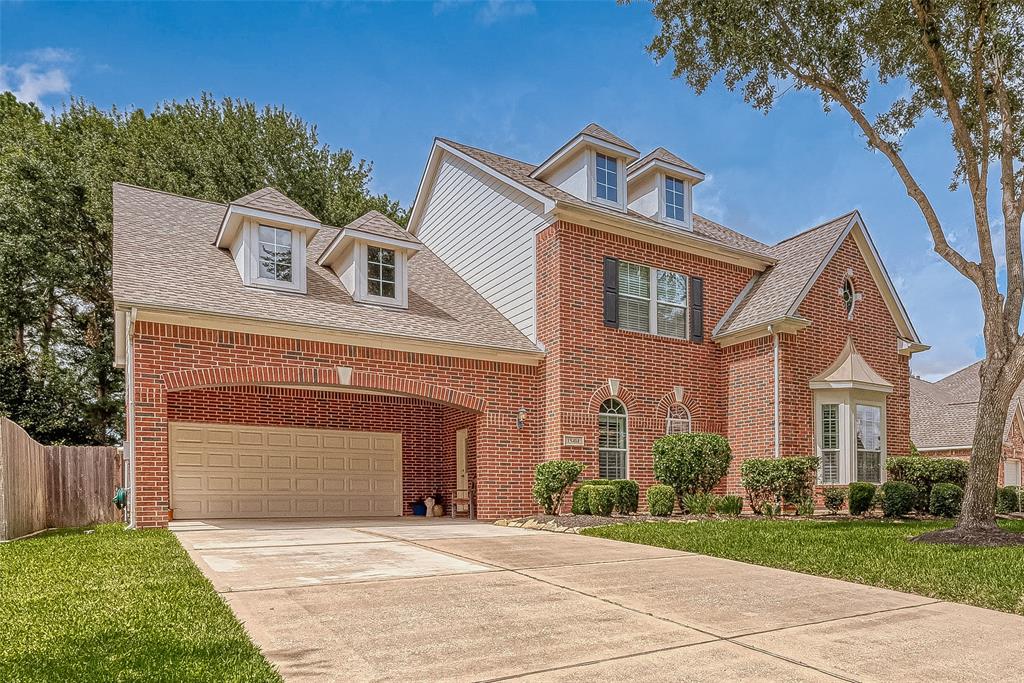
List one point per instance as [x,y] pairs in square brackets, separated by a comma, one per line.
[1011,205]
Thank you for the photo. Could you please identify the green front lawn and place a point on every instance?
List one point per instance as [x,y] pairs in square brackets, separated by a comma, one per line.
[116,605]
[870,552]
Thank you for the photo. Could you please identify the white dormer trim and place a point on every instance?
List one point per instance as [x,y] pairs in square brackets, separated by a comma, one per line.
[578,142]
[687,222]
[235,216]
[245,251]
[670,169]
[347,255]
[620,177]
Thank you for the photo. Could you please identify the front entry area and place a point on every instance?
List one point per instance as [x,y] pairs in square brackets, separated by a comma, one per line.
[223,471]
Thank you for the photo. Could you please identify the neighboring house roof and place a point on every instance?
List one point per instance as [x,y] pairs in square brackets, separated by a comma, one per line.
[775,292]
[270,199]
[662,154]
[944,413]
[519,172]
[163,259]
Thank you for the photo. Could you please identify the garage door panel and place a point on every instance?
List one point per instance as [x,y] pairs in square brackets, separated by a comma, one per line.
[229,471]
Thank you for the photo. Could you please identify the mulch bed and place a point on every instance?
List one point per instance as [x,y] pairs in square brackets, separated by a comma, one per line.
[987,538]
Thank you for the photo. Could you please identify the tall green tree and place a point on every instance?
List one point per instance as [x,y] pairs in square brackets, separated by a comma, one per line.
[958,62]
[56,313]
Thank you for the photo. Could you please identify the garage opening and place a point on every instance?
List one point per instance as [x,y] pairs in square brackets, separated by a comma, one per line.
[261,451]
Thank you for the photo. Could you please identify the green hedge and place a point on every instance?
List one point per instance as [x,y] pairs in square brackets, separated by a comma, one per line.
[550,481]
[1008,499]
[945,500]
[770,480]
[862,497]
[691,463]
[627,493]
[898,498]
[601,499]
[835,497]
[924,473]
[581,501]
[661,500]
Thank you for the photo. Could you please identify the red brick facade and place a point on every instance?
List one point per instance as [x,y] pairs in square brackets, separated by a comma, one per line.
[203,375]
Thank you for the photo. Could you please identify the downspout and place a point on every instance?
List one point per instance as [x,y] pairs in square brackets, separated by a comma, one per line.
[129,385]
[775,387]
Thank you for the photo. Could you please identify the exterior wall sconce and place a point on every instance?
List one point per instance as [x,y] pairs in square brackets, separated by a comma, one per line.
[521,418]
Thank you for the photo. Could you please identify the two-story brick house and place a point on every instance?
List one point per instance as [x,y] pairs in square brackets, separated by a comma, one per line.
[579,308]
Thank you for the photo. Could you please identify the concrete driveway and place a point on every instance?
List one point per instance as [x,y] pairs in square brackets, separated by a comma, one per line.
[441,600]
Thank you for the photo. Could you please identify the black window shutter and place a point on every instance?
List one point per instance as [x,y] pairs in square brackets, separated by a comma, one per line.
[697,309]
[611,291]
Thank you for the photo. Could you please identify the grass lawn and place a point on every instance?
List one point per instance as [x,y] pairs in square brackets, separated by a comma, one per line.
[870,552]
[114,606]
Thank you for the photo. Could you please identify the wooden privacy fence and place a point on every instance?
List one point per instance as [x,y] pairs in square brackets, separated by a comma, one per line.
[54,486]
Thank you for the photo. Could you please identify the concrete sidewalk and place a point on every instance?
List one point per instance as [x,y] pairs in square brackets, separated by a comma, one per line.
[400,599]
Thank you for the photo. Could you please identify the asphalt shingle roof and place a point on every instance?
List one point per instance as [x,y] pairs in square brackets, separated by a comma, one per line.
[376,223]
[662,154]
[596,131]
[164,257]
[270,199]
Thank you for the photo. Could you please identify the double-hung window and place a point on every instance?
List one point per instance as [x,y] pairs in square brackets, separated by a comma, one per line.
[675,199]
[606,178]
[653,300]
[829,443]
[274,254]
[381,277]
[869,443]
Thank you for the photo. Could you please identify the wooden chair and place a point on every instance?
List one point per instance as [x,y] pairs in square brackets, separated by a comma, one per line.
[464,498]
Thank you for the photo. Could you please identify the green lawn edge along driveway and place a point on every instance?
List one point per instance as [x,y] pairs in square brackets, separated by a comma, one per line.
[115,605]
[876,553]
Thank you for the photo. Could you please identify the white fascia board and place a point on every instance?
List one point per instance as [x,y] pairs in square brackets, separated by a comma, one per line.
[278,219]
[419,204]
[580,141]
[670,169]
[863,231]
[735,302]
[347,234]
[944,448]
[820,269]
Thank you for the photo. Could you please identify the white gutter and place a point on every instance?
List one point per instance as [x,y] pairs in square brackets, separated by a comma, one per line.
[775,386]
[129,442]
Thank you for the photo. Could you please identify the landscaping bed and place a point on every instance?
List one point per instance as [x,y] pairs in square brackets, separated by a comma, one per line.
[871,552]
[116,605]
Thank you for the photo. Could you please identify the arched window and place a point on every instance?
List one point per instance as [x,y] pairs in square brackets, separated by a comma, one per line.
[613,442]
[678,420]
[849,296]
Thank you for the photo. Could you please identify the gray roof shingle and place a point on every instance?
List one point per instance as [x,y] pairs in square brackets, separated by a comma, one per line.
[163,257]
[270,199]
[662,154]
[596,131]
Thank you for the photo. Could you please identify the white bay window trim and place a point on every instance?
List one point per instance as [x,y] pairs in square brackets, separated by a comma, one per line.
[847,402]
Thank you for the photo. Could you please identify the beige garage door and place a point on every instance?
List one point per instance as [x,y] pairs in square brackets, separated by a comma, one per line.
[232,471]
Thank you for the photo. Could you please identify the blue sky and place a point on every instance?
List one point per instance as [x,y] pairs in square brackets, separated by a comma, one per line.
[519,78]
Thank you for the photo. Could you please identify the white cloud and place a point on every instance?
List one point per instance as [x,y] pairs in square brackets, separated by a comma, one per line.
[39,76]
[492,11]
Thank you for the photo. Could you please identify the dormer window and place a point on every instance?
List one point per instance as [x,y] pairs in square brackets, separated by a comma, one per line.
[675,199]
[274,254]
[607,178]
[381,277]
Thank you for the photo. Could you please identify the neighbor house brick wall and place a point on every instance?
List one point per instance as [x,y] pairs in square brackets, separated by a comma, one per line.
[162,352]
[1013,449]
[583,354]
[812,350]
[419,422]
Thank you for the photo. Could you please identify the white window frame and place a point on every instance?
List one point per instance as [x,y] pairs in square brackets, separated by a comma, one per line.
[652,302]
[687,220]
[820,418]
[624,417]
[361,254]
[848,400]
[1007,466]
[252,247]
[620,177]
[678,425]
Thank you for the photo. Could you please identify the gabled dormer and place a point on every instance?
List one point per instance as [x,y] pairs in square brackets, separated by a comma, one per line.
[660,187]
[267,233]
[591,166]
[371,256]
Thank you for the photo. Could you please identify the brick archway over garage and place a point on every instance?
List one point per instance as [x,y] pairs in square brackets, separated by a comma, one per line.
[339,377]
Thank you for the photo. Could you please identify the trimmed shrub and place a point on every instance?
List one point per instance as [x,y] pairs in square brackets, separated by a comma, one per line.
[1008,499]
[945,500]
[924,473]
[771,480]
[627,495]
[550,481]
[862,497]
[691,463]
[898,498]
[835,497]
[601,499]
[699,503]
[581,501]
[661,500]
[729,505]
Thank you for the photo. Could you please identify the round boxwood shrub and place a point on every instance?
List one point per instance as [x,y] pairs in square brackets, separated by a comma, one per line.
[1008,499]
[691,463]
[661,500]
[898,498]
[925,472]
[601,499]
[627,495]
[581,501]
[550,481]
[862,497]
[945,500]
[769,481]
[835,497]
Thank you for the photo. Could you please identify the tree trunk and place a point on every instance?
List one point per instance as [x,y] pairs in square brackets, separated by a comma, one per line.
[979,508]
